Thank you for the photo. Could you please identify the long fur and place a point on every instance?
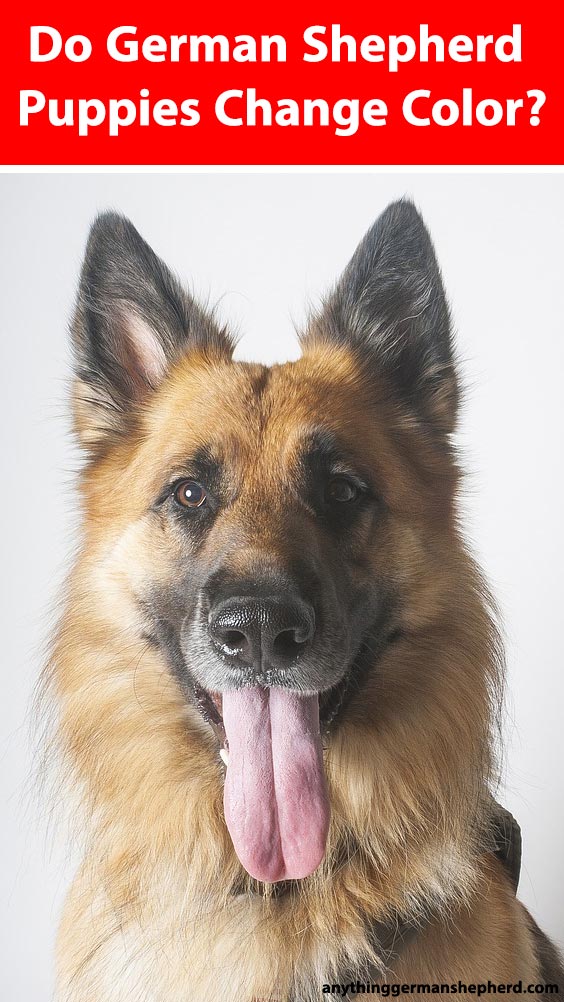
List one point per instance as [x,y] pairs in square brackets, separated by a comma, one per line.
[161,908]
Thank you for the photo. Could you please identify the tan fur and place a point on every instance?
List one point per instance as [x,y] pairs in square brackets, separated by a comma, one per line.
[161,908]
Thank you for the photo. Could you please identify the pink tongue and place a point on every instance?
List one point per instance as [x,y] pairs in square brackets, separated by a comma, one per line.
[276,804]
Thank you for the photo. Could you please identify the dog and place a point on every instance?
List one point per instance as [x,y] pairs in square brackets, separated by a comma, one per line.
[278,671]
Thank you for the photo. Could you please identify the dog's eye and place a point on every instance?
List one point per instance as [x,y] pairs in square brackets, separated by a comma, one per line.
[190,494]
[340,490]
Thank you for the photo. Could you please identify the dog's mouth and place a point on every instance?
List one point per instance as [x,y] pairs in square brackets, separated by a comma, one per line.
[269,738]
[210,706]
[275,794]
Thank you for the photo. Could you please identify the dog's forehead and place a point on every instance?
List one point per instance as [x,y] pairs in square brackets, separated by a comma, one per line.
[238,410]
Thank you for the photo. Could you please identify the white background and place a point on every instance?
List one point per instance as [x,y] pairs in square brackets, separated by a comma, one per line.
[266,244]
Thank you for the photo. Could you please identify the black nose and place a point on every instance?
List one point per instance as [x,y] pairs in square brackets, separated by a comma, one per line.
[262,633]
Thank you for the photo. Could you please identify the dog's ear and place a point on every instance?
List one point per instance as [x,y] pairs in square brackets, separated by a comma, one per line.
[390,305]
[132,320]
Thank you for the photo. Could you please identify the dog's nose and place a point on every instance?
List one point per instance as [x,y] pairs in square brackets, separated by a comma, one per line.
[262,633]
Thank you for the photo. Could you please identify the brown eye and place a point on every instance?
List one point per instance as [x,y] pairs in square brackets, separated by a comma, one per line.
[190,494]
[341,491]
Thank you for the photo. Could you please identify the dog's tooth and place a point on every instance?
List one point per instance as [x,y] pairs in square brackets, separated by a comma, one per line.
[224,755]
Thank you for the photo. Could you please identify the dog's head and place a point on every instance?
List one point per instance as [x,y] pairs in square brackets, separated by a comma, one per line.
[275,529]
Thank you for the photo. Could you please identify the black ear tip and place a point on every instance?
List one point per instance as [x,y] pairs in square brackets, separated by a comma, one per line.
[402,214]
[111,220]
[403,230]
[111,227]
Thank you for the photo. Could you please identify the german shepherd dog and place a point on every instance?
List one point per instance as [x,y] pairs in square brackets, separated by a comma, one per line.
[278,670]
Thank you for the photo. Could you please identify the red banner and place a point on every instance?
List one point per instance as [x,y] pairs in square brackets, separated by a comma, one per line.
[318,83]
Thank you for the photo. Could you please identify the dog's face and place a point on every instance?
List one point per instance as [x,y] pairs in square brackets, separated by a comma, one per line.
[268,510]
[274,529]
